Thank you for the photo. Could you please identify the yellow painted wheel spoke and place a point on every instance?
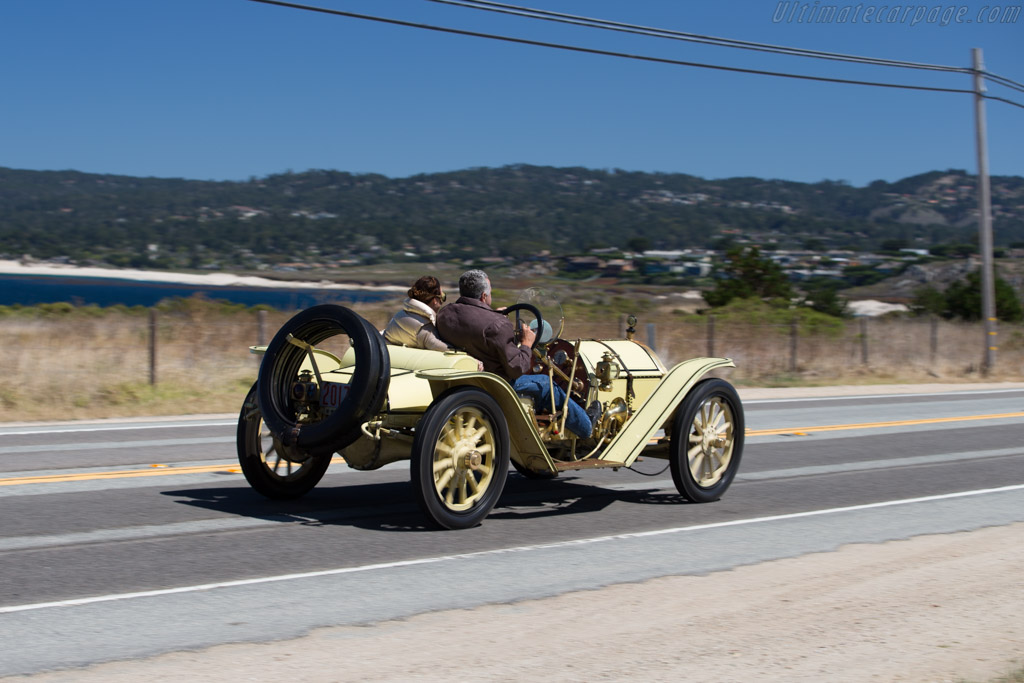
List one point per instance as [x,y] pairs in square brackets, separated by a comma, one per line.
[445,479]
[717,417]
[696,466]
[467,438]
[710,441]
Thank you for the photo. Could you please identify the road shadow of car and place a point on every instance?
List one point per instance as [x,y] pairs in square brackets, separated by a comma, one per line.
[390,506]
[358,505]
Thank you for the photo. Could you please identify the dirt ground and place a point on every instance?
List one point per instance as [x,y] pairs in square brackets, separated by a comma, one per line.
[924,610]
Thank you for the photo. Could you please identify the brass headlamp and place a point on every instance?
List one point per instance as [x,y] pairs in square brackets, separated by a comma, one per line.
[606,371]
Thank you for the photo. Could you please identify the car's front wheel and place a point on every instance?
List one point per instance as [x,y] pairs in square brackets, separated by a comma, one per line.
[707,441]
[460,458]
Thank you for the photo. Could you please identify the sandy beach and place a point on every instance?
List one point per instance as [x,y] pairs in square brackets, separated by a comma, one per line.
[219,279]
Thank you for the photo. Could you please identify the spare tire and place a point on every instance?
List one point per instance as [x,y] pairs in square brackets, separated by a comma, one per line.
[367,386]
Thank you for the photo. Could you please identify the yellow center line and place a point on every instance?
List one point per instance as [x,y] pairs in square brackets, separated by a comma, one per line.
[228,469]
[125,474]
[876,425]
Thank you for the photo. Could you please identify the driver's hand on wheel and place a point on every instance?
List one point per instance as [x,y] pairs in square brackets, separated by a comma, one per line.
[526,335]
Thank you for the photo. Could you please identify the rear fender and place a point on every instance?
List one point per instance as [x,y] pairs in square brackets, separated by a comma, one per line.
[527,447]
[659,408]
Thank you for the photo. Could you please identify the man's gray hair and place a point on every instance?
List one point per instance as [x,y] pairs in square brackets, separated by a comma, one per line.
[474,284]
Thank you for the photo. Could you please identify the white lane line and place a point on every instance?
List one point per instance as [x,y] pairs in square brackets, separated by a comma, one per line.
[108,445]
[910,461]
[14,431]
[149,531]
[115,597]
[980,392]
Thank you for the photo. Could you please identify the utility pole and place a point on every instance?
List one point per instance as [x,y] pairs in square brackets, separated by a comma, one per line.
[988,296]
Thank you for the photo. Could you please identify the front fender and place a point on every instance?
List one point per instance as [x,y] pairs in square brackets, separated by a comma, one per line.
[527,448]
[659,407]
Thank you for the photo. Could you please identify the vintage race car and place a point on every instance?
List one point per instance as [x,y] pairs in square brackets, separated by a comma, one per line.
[329,384]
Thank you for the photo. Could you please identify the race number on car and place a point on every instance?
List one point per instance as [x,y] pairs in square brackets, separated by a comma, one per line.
[331,395]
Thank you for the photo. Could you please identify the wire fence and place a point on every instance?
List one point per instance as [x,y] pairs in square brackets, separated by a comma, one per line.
[183,349]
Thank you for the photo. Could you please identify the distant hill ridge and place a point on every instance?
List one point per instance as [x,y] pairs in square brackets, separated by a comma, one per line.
[516,211]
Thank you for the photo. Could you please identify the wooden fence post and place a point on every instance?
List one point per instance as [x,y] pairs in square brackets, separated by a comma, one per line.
[711,336]
[152,346]
[650,337]
[864,341]
[261,322]
[934,339]
[794,329]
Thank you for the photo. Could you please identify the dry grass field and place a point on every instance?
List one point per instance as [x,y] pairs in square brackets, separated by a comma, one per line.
[59,367]
[74,367]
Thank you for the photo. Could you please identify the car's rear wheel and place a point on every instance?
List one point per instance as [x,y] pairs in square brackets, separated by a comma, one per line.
[300,421]
[272,469]
[707,441]
[460,458]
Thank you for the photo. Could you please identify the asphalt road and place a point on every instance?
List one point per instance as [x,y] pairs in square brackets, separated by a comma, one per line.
[126,539]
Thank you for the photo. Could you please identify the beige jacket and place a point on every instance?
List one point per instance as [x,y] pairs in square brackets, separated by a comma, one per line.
[414,326]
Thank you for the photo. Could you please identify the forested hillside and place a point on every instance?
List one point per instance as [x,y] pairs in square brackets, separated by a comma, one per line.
[511,211]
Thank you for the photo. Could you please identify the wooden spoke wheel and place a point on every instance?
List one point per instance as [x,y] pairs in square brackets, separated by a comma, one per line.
[707,441]
[271,468]
[460,458]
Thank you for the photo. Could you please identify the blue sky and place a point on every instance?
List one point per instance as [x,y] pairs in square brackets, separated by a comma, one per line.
[230,89]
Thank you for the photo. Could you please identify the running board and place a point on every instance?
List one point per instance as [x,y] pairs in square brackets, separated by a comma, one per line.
[587,465]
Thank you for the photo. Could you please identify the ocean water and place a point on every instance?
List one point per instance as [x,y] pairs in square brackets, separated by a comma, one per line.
[37,289]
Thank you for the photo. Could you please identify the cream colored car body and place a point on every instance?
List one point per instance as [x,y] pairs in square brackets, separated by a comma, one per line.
[419,376]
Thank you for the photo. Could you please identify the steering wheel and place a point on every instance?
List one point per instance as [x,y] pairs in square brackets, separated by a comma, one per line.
[537,325]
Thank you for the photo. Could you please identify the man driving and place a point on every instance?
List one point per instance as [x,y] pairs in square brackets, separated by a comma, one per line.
[488,335]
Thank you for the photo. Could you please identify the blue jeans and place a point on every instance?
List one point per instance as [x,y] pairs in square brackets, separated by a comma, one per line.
[539,387]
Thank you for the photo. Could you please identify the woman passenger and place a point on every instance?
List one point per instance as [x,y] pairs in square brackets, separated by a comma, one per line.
[414,324]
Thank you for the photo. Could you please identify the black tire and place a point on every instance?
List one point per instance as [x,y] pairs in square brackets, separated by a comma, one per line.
[457,486]
[707,441]
[367,389]
[272,469]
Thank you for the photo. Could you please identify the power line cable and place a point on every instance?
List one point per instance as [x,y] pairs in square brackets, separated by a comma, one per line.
[607,53]
[624,55]
[591,22]
[1003,81]
[488,5]
[1003,99]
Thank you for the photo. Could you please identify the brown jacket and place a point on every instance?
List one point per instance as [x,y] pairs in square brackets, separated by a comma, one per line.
[486,335]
